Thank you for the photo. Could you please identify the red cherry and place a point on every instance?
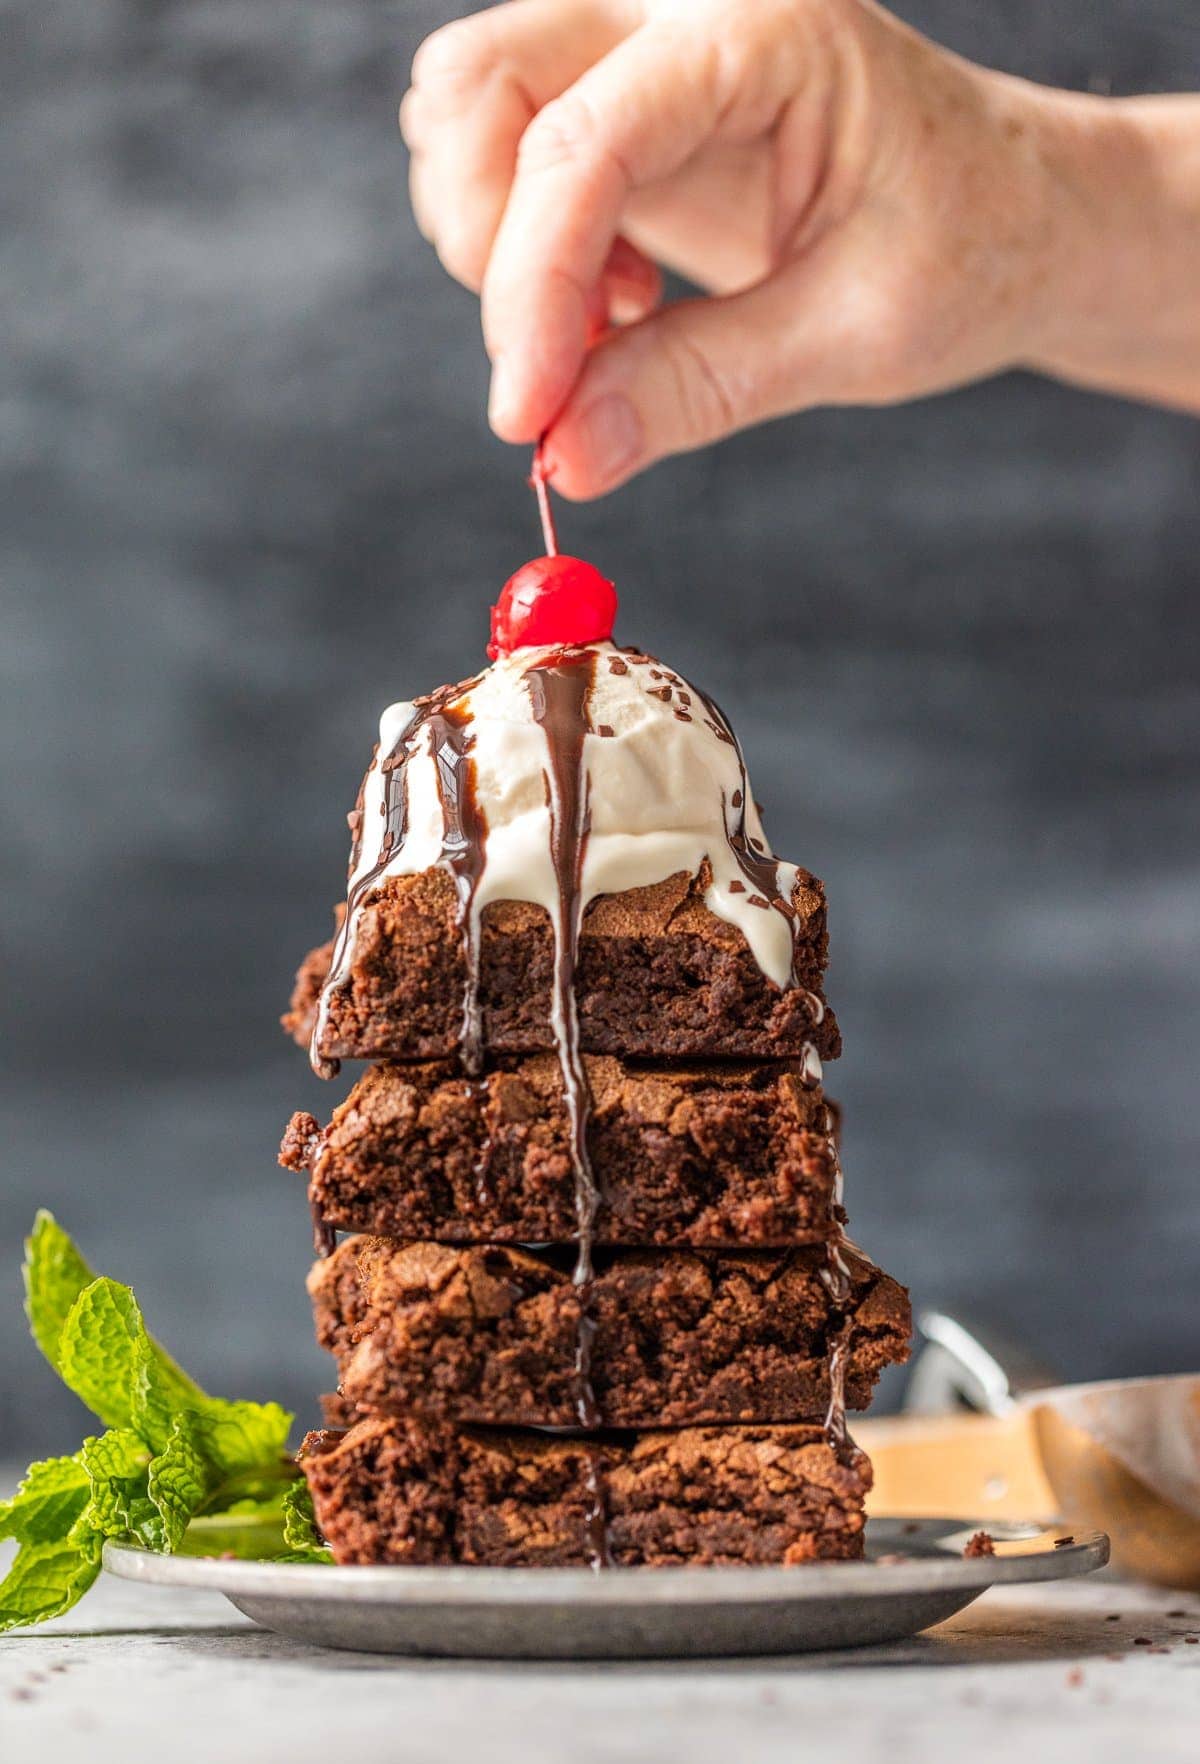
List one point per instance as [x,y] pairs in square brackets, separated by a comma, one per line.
[552,600]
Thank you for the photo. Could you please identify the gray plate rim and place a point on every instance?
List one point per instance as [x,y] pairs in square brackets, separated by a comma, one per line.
[469,1587]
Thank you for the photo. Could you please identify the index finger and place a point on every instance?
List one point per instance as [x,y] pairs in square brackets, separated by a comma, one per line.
[477,82]
[633,118]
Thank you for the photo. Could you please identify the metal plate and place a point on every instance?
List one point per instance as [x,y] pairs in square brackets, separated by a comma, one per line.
[915,1575]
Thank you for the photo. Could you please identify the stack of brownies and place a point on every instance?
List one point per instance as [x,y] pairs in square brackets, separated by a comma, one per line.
[598,1307]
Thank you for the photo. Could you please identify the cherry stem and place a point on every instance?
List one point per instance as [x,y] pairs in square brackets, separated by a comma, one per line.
[540,481]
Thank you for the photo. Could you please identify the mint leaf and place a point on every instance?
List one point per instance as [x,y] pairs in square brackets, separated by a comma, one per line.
[179,1480]
[300,1532]
[47,1503]
[170,1455]
[107,1358]
[99,1351]
[57,1280]
[55,1275]
[46,1579]
[118,1455]
[115,1464]
[242,1437]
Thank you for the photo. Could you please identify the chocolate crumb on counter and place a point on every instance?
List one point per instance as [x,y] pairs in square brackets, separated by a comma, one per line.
[982,1544]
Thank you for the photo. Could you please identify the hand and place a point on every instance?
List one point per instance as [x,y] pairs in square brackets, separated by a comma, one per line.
[875,219]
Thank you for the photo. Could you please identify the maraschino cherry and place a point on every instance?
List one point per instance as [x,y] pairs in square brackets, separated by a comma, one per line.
[551,599]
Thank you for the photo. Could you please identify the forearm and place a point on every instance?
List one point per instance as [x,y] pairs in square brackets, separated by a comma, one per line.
[1117,301]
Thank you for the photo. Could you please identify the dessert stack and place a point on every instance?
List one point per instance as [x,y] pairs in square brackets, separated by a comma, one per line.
[597,1306]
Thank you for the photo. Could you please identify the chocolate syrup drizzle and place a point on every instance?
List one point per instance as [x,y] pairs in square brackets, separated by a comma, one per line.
[324,1235]
[463,848]
[759,868]
[464,841]
[559,691]
[836,1279]
[559,694]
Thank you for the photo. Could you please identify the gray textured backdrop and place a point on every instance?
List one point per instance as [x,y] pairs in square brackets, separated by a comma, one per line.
[249,497]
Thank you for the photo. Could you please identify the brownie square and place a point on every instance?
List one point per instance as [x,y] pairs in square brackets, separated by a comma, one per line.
[486,1334]
[659,976]
[403,1490]
[708,1155]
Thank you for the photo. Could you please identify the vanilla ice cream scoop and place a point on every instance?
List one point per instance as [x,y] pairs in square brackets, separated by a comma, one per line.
[663,781]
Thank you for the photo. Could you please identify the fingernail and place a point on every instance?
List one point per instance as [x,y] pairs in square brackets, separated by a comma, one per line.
[607,438]
[501,401]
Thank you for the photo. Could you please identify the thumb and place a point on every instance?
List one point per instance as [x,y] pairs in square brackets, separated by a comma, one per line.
[689,375]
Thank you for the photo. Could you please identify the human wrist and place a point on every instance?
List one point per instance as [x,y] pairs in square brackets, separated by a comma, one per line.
[1114,284]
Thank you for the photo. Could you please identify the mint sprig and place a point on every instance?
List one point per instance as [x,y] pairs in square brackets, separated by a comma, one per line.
[171,1456]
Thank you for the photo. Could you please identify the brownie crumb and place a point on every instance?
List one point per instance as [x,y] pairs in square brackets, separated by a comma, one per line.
[301,1139]
[982,1544]
[1142,1641]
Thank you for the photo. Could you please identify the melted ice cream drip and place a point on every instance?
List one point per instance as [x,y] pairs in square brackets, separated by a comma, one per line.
[439,725]
[463,847]
[765,883]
